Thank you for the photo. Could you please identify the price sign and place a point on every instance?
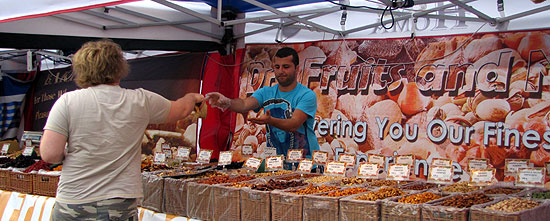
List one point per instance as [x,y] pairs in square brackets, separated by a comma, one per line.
[512,165]
[335,168]
[274,163]
[204,156]
[305,165]
[482,177]
[348,159]
[320,157]
[531,177]
[270,152]
[375,158]
[225,158]
[477,163]
[405,159]
[5,148]
[28,143]
[440,174]
[439,162]
[183,153]
[253,163]
[295,155]
[247,149]
[368,170]
[28,151]
[160,158]
[398,172]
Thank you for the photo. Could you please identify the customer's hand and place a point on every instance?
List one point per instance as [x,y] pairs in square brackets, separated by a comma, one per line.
[216,99]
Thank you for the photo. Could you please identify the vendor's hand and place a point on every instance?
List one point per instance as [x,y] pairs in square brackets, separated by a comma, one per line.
[262,119]
[216,99]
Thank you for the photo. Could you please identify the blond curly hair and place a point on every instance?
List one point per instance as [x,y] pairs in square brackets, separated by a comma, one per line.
[99,62]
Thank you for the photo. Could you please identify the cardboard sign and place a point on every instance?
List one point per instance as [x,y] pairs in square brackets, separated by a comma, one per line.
[225,158]
[294,155]
[348,159]
[405,159]
[440,174]
[512,165]
[270,152]
[204,156]
[247,149]
[5,148]
[320,157]
[398,172]
[482,177]
[28,151]
[335,168]
[477,163]
[274,163]
[253,163]
[368,170]
[531,177]
[183,153]
[305,165]
[160,158]
[376,158]
[442,162]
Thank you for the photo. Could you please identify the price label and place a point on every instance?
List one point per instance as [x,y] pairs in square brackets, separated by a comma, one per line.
[547,166]
[482,177]
[253,163]
[398,172]
[512,165]
[5,148]
[225,158]
[204,156]
[405,159]
[440,174]
[270,152]
[274,163]
[320,157]
[375,158]
[295,155]
[439,162]
[28,143]
[28,151]
[183,153]
[160,158]
[305,165]
[368,170]
[531,177]
[348,159]
[247,150]
[477,164]
[335,168]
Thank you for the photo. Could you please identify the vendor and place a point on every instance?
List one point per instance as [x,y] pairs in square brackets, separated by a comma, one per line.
[103,125]
[289,107]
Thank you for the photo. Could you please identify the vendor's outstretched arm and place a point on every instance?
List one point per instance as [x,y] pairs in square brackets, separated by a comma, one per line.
[298,118]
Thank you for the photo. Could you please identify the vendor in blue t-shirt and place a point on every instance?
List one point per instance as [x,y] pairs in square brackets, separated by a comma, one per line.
[289,107]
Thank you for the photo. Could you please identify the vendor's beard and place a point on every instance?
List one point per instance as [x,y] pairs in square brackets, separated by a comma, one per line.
[288,81]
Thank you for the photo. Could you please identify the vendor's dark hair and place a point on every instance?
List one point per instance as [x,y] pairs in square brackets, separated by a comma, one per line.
[286,51]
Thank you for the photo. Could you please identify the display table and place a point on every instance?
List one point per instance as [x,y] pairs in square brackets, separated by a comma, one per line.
[19,206]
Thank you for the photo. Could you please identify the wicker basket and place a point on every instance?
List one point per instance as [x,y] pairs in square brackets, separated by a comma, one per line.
[286,206]
[175,196]
[5,179]
[356,210]
[539,213]
[226,204]
[320,207]
[153,189]
[45,185]
[393,210]
[433,211]
[21,182]
[199,201]
[255,204]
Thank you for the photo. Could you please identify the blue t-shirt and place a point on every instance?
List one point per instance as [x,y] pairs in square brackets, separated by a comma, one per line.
[282,105]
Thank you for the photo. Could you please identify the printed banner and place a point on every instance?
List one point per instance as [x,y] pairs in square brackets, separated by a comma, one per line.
[458,97]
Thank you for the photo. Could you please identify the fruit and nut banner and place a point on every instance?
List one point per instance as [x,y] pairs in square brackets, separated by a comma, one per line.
[484,95]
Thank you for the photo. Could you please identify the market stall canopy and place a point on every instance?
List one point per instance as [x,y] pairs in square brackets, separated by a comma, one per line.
[210,25]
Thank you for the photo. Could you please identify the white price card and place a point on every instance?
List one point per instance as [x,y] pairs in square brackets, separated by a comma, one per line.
[320,157]
[28,151]
[478,163]
[247,149]
[405,159]
[440,162]
[305,165]
[295,155]
[28,143]
[183,153]
[5,148]
[398,172]
[547,166]
[348,159]
[482,177]
[204,156]
[335,168]
[274,163]
[253,163]
[376,158]
[440,174]
[368,171]
[225,158]
[270,152]
[512,165]
[160,158]
[531,177]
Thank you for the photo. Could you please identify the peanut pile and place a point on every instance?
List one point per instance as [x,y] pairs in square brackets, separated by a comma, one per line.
[240,185]
[350,181]
[346,192]
[298,176]
[313,189]
[277,185]
[275,173]
[462,201]
[502,190]
[322,179]
[419,198]
[381,193]
[379,183]
[460,187]
[225,179]
[513,205]
[422,186]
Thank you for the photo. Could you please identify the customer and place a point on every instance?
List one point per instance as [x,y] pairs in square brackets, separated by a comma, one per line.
[102,125]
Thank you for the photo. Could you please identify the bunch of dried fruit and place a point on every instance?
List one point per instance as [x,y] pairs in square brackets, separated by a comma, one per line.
[381,193]
[419,198]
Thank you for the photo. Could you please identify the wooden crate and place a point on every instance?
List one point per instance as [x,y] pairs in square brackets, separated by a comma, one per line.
[45,185]
[21,182]
[226,202]
[539,213]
